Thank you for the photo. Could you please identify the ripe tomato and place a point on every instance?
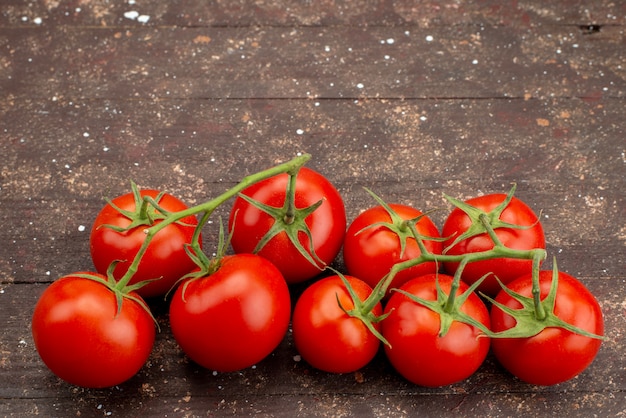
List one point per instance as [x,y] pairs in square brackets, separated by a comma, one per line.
[233,318]
[370,250]
[327,224]
[83,339]
[506,269]
[554,355]
[325,335]
[417,351]
[165,258]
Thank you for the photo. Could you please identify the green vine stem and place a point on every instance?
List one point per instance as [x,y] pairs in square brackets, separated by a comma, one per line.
[207,208]
[450,305]
[290,200]
[498,251]
[536,315]
[540,311]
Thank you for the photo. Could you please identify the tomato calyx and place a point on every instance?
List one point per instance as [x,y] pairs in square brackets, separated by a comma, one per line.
[399,226]
[363,310]
[448,306]
[206,265]
[147,210]
[480,218]
[290,220]
[535,315]
[121,292]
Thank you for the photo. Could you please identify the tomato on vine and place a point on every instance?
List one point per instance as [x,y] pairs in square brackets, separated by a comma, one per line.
[432,341]
[233,315]
[515,225]
[91,334]
[119,232]
[295,220]
[381,236]
[95,330]
[334,328]
[551,341]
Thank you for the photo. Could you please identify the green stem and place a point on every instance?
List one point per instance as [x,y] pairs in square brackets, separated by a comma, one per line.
[498,251]
[410,224]
[196,233]
[456,282]
[290,199]
[540,312]
[454,286]
[143,211]
[195,244]
[484,219]
[208,207]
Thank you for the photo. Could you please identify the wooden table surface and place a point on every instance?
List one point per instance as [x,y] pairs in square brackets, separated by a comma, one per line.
[412,99]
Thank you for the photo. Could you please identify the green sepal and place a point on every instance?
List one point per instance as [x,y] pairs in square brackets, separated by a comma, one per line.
[147,211]
[493,218]
[398,225]
[291,229]
[120,293]
[124,288]
[206,265]
[527,324]
[455,314]
[361,310]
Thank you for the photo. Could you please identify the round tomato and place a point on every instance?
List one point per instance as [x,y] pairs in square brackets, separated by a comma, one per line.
[554,355]
[325,335]
[233,318]
[529,237]
[371,249]
[327,224]
[165,258]
[417,351]
[83,339]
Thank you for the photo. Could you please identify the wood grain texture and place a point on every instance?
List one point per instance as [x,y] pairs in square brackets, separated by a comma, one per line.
[460,62]
[411,99]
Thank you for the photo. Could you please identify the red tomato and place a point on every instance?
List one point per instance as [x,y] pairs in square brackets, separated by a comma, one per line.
[370,253]
[325,335]
[165,258]
[506,269]
[82,338]
[233,318]
[554,355]
[417,351]
[327,223]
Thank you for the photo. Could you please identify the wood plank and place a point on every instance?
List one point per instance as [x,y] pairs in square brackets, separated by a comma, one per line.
[511,404]
[146,63]
[307,13]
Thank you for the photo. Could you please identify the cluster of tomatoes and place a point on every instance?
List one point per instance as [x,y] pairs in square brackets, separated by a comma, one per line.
[408,287]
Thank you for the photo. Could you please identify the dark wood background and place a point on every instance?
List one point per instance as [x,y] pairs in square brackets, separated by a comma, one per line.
[410,98]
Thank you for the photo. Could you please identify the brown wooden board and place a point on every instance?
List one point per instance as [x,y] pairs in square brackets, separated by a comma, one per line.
[410,99]
[310,13]
[147,63]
